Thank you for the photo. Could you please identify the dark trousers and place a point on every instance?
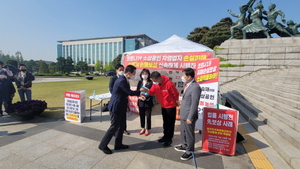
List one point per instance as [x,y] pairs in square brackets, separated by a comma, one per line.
[187,134]
[117,127]
[169,116]
[6,103]
[145,111]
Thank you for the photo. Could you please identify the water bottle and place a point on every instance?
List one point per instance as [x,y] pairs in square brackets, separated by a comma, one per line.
[94,94]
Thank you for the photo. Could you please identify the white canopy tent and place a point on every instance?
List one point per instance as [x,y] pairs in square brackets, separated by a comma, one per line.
[172,45]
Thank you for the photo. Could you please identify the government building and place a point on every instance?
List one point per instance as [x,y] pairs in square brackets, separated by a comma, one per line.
[104,49]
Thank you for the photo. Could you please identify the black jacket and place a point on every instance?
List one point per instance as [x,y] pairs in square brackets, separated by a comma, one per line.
[112,82]
[27,81]
[147,102]
[7,89]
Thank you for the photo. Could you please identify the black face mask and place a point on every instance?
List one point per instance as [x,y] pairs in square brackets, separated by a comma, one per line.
[23,70]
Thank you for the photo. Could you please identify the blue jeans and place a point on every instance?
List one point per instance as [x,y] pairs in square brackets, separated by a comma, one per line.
[23,92]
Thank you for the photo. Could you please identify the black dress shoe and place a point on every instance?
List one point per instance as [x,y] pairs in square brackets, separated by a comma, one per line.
[162,140]
[167,143]
[105,150]
[121,147]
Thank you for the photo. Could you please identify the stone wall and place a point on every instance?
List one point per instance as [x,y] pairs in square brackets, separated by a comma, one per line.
[256,54]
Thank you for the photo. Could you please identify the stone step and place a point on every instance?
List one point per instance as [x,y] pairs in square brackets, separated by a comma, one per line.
[274,94]
[287,151]
[289,120]
[275,104]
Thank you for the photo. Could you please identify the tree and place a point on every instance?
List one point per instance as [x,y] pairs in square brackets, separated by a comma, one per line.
[43,67]
[69,67]
[218,33]
[81,66]
[117,60]
[52,67]
[197,34]
[64,65]
[109,67]
[215,35]
[12,62]
[31,66]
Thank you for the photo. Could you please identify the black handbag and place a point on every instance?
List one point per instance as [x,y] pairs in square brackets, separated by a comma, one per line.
[104,107]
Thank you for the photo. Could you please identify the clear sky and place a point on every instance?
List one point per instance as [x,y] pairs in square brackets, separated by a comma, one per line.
[33,27]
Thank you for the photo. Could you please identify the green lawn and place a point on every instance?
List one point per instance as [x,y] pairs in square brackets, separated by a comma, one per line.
[53,93]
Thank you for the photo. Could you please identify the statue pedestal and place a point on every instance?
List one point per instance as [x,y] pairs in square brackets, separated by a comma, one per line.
[257,54]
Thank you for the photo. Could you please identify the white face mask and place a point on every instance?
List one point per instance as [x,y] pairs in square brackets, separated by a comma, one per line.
[156,83]
[183,79]
[144,76]
[2,77]
[120,73]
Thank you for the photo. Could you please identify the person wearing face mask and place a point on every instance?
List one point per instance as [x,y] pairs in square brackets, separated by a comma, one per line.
[117,107]
[7,91]
[6,69]
[23,80]
[167,95]
[145,104]
[188,113]
[119,72]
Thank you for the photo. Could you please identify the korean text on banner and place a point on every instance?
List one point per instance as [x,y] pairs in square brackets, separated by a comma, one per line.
[75,105]
[219,130]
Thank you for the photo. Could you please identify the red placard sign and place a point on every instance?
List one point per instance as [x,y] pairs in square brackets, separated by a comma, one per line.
[219,130]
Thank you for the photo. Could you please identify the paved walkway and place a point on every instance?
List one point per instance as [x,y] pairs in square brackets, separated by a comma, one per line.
[46,143]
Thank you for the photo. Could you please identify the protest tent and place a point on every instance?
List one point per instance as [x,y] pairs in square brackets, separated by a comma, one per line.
[170,57]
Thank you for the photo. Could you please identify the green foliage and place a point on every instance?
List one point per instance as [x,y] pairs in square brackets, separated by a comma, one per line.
[31,65]
[43,67]
[109,67]
[117,60]
[64,65]
[47,74]
[197,34]
[12,62]
[231,65]
[222,59]
[87,73]
[66,74]
[81,66]
[77,74]
[215,35]
[97,74]
[98,65]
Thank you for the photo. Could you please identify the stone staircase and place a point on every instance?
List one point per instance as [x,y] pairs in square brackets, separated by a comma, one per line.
[256,54]
[270,101]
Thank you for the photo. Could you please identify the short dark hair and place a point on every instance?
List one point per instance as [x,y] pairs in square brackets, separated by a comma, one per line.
[189,72]
[1,63]
[118,66]
[22,65]
[130,68]
[147,71]
[155,75]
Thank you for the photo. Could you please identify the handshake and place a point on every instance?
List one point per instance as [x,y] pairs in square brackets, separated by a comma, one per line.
[144,93]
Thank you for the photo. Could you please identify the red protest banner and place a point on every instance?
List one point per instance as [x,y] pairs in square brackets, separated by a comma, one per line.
[166,61]
[219,130]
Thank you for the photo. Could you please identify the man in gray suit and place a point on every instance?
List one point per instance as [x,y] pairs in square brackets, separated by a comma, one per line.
[188,113]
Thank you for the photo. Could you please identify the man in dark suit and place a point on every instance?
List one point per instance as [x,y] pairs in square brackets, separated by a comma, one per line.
[119,72]
[117,107]
[188,113]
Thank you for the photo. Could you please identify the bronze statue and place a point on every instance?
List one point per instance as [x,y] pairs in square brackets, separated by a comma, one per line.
[257,24]
[241,17]
[293,28]
[273,25]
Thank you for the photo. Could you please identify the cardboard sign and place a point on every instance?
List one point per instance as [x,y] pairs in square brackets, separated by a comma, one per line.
[75,105]
[219,130]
